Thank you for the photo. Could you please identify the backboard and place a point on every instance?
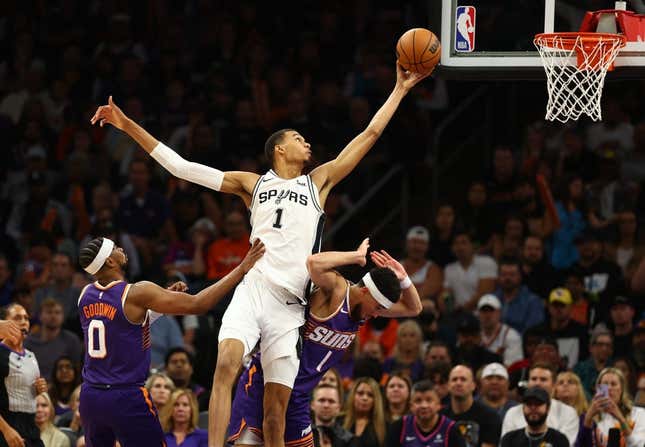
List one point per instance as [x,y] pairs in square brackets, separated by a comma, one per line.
[494,38]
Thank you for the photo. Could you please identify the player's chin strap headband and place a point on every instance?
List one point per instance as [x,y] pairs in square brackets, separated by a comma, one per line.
[104,252]
[376,293]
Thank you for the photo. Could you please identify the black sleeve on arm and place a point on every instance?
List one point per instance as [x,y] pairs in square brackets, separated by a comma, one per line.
[492,429]
[509,439]
[393,436]
[455,439]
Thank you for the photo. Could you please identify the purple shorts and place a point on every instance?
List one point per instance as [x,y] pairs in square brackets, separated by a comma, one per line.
[126,414]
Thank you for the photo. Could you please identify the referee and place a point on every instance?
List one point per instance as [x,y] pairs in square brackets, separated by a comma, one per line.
[20,383]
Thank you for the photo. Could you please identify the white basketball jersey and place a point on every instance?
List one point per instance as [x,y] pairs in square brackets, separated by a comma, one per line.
[286,215]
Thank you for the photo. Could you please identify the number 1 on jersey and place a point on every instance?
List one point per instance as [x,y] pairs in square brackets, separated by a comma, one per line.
[323,361]
[278,218]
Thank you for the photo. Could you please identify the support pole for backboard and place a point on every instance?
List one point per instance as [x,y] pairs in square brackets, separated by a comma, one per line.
[549,15]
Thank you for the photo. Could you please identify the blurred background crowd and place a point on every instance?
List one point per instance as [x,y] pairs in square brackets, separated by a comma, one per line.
[503,282]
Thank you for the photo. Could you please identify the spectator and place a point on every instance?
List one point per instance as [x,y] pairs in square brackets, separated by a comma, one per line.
[537,273]
[24,297]
[407,353]
[576,158]
[179,367]
[226,253]
[325,407]
[442,235]
[476,216]
[497,337]
[437,352]
[571,336]
[60,286]
[568,390]
[494,389]
[560,417]
[603,279]
[165,335]
[6,281]
[160,387]
[49,434]
[20,384]
[439,374]
[381,330]
[569,205]
[479,425]
[468,278]
[469,349]
[179,421]
[189,257]
[627,367]
[64,380]
[397,396]
[582,310]
[535,409]
[615,128]
[521,309]
[626,247]
[502,182]
[53,341]
[545,351]
[425,425]
[613,409]
[601,350]
[426,276]
[72,419]
[333,378]
[364,413]
[621,313]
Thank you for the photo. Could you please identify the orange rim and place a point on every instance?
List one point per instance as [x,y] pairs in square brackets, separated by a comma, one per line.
[568,39]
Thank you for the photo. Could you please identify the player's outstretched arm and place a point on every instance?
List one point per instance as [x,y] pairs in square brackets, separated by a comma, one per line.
[240,183]
[332,172]
[147,295]
[409,305]
[321,265]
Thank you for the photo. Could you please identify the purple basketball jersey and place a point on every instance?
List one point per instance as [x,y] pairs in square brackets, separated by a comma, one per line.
[117,352]
[411,436]
[325,342]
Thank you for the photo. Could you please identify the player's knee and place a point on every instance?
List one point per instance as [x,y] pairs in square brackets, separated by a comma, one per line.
[229,361]
[273,421]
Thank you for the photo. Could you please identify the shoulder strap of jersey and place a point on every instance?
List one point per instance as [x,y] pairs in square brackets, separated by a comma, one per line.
[404,422]
[255,191]
[80,296]
[448,430]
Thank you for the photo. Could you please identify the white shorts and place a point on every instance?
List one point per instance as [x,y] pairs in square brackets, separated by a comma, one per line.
[262,311]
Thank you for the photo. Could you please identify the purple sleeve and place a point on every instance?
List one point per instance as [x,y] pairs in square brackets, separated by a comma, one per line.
[585,434]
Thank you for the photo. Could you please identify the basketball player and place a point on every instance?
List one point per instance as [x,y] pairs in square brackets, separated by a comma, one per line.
[286,213]
[425,427]
[115,317]
[336,310]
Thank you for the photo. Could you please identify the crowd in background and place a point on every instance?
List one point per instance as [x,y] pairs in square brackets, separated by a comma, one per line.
[515,294]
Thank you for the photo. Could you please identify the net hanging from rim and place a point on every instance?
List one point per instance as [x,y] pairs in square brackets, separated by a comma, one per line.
[576,65]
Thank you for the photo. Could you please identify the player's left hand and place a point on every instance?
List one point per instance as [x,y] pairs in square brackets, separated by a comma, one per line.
[383,259]
[40,385]
[408,79]
[362,251]
[255,252]
[179,286]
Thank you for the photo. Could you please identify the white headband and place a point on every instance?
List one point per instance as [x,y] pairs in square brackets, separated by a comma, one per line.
[376,293]
[104,252]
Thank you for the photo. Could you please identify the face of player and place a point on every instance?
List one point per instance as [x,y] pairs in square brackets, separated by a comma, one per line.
[461,382]
[494,387]
[65,371]
[542,378]
[119,257]
[294,148]
[397,391]
[42,410]
[325,405]
[160,391]
[369,308]
[363,399]
[614,387]
[182,412]
[535,412]
[425,405]
[19,315]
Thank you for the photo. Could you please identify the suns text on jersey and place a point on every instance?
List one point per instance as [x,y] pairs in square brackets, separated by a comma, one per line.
[330,338]
[284,194]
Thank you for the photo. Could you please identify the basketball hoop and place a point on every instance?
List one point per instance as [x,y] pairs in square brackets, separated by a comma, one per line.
[576,65]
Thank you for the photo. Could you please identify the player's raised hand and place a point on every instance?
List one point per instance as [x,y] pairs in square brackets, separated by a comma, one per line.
[255,252]
[408,79]
[179,286]
[383,259]
[362,251]
[12,437]
[111,114]
[40,385]
[10,331]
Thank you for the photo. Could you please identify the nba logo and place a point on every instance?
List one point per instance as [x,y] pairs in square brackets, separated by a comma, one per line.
[465,29]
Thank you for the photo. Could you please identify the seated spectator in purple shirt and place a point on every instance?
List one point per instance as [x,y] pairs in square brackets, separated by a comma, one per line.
[179,420]
[407,352]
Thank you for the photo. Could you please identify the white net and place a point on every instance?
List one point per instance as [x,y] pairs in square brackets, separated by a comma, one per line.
[576,65]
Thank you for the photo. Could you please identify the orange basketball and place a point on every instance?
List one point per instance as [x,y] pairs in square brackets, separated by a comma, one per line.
[418,50]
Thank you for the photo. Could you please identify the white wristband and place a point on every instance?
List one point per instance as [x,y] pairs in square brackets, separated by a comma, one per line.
[405,283]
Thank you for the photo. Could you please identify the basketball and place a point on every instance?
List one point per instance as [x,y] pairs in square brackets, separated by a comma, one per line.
[418,50]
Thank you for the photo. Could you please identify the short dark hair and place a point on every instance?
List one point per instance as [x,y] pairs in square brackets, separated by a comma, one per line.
[274,139]
[422,386]
[386,282]
[546,366]
[176,350]
[87,254]
[507,260]
[367,367]
[4,310]
[326,386]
